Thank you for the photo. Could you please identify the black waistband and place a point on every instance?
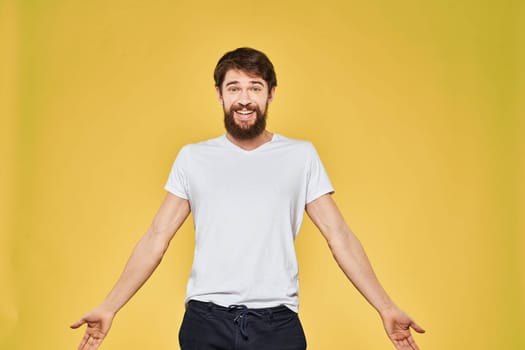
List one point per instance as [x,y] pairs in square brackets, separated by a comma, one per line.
[239,313]
[211,305]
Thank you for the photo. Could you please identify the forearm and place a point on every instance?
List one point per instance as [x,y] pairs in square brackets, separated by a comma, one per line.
[352,259]
[144,259]
[148,252]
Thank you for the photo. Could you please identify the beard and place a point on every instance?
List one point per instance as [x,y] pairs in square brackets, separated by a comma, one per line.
[245,132]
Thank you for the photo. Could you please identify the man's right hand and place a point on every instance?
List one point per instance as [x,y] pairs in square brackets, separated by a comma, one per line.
[145,258]
[98,324]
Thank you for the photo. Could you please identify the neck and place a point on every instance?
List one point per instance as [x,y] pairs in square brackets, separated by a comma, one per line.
[251,144]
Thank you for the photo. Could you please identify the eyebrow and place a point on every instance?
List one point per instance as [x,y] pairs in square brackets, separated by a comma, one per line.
[233,82]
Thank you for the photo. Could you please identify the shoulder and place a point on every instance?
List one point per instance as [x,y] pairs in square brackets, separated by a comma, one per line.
[200,146]
[304,146]
[210,150]
[278,138]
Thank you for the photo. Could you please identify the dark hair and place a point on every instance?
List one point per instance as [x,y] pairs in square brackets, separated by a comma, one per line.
[248,60]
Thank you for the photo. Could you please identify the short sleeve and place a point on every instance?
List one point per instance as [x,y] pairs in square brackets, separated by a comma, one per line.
[318,182]
[177,181]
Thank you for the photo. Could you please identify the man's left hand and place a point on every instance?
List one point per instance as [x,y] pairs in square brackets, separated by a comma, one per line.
[397,325]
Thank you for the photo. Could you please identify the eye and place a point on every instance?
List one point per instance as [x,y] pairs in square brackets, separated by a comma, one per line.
[256,88]
[233,89]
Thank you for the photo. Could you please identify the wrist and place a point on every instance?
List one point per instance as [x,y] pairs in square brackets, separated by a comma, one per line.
[385,308]
[107,307]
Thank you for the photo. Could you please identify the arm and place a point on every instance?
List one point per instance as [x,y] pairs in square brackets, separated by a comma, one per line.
[144,259]
[352,259]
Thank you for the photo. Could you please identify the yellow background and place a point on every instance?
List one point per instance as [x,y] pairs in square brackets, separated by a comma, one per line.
[416,107]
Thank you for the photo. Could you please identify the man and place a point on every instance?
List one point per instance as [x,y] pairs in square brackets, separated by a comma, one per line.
[247,191]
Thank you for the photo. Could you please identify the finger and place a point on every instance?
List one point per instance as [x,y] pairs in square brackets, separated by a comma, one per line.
[417,327]
[402,344]
[83,342]
[87,346]
[97,342]
[91,341]
[78,324]
[412,343]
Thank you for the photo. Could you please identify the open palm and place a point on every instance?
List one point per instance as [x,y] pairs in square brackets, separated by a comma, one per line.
[397,325]
[98,325]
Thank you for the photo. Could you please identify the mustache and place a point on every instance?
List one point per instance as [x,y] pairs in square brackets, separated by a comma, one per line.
[248,107]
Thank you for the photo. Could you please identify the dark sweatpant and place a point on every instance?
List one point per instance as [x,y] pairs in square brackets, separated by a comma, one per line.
[208,326]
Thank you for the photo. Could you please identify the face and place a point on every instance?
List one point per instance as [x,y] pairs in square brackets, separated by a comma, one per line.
[245,100]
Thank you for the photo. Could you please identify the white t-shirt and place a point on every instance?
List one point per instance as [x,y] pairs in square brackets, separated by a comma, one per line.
[247,208]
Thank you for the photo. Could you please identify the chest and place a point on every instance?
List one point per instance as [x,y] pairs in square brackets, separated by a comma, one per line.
[276,175]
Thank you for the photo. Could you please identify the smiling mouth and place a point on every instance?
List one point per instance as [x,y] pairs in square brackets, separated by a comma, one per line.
[244,115]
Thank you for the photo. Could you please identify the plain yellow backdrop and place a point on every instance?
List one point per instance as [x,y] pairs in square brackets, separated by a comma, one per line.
[416,108]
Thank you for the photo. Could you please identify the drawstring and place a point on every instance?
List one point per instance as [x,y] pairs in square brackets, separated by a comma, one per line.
[242,318]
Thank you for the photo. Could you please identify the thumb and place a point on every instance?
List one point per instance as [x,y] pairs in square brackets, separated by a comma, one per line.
[417,327]
[78,323]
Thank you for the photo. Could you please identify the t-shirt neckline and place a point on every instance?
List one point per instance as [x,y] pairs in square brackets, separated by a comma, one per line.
[275,136]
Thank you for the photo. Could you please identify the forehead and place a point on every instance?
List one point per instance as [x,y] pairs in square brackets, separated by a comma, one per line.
[240,76]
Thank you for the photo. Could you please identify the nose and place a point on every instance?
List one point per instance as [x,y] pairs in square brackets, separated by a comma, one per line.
[243,104]
[244,98]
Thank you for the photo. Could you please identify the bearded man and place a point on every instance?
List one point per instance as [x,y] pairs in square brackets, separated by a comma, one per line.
[247,191]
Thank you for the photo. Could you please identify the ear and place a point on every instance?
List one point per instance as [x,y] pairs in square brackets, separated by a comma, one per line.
[271,94]
[219,95]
